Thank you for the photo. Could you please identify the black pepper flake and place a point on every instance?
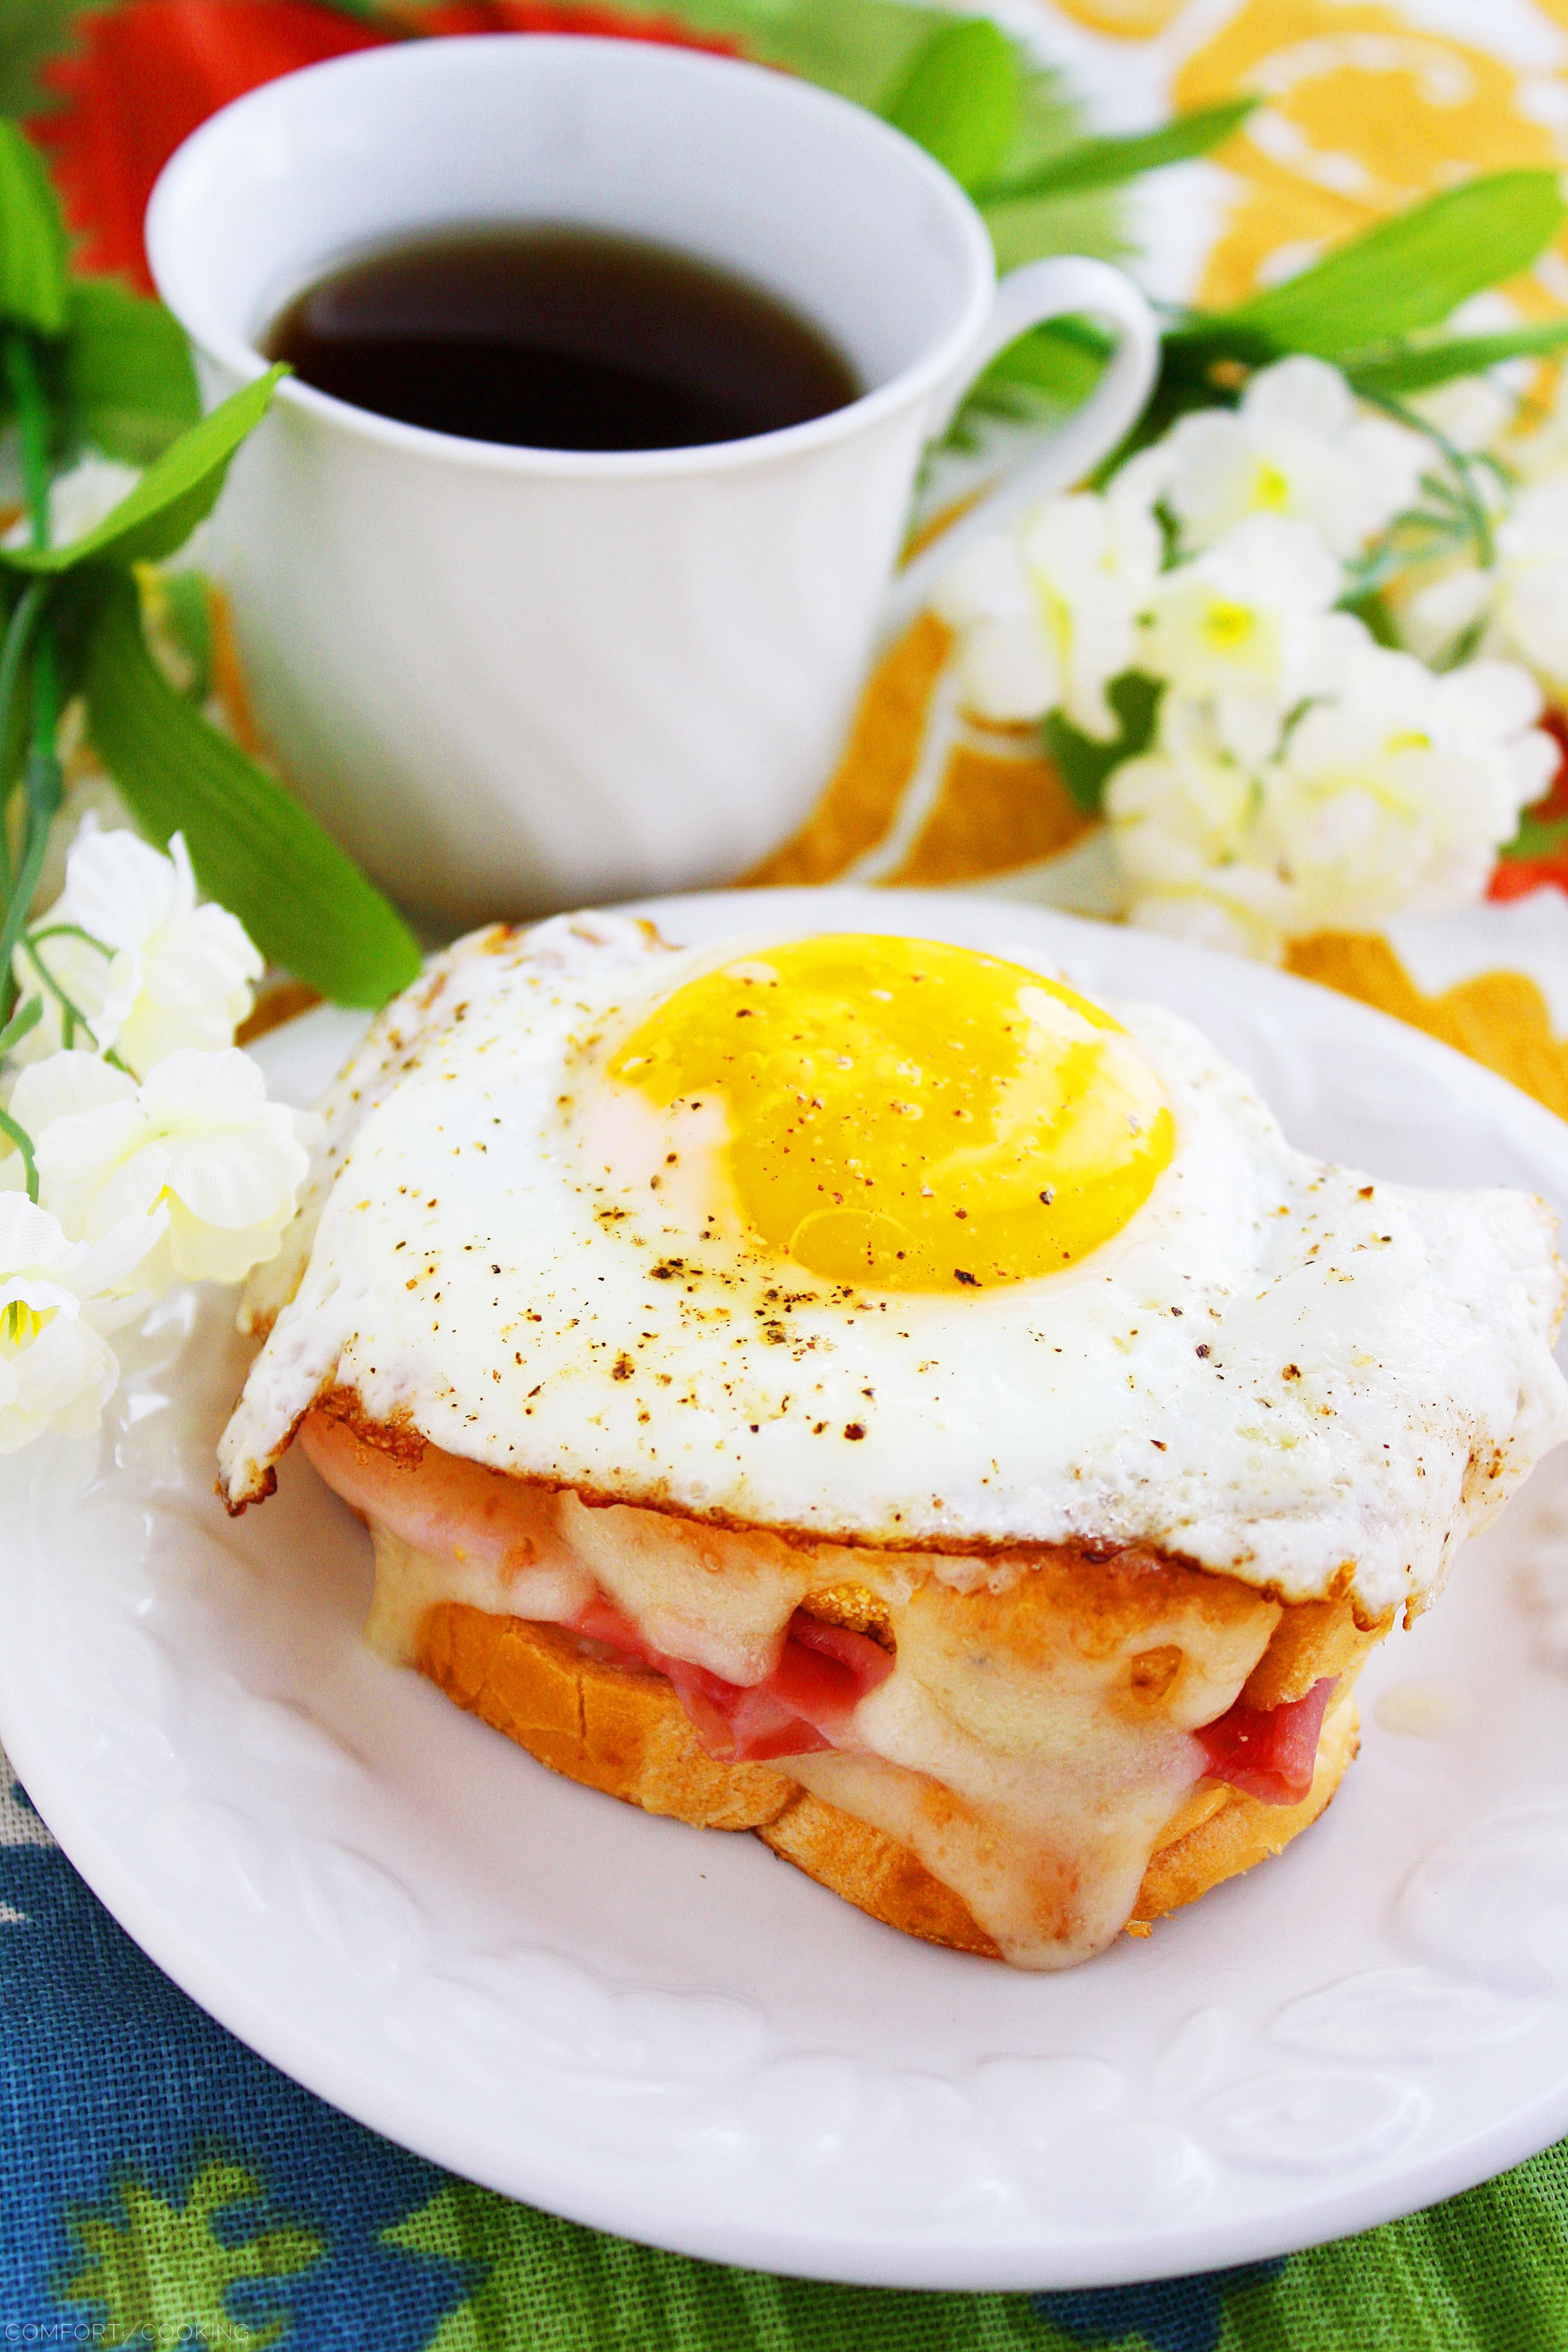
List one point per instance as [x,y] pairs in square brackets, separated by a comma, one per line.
[853,1431]
[1203,1349]
[970,1281]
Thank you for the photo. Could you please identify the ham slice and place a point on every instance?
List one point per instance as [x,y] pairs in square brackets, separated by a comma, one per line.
[806,1703]
[1270,1753]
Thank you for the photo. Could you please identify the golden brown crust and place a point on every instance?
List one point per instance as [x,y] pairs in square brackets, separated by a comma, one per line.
[853,1606]
[396,1437]
[1314,1639]
[610,1727]
[623,1731]
[1241,1832]
[871,1870]
[404,1443]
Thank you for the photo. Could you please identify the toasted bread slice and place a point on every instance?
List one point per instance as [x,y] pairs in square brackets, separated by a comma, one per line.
[623,1730]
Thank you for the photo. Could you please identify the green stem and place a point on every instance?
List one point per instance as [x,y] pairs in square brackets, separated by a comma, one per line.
[32,866]
[28,1018]
[24,1143]
[1462,490]
[33,423]
[13,653]
[46,699]
[43,785]
[13,648]
[73,932]
[72,1016]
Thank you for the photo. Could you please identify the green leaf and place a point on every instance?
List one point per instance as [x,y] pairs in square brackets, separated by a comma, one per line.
[1106,163]
[33,281]
[1385,375]
[1412,271]
[1538,837]
[1054,366]
[126,378]
[182,602]
[255,850]
[1371,609]
[1083,761]
[174,495]
[962,99]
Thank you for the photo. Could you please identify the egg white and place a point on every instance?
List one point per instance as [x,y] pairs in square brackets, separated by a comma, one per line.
[1278,1369]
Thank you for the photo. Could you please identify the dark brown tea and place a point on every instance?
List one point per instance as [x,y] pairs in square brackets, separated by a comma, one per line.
[551,338]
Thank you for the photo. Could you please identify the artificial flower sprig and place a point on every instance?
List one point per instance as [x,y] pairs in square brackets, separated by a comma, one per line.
[137,1145]
[1278,654]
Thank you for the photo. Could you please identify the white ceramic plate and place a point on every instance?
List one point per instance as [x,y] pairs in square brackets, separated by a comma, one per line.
[668,2032]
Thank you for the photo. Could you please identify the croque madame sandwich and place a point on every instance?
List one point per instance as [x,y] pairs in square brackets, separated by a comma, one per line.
[855,1389]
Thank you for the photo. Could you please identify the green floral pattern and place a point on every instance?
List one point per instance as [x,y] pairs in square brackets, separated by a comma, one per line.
[162,2274]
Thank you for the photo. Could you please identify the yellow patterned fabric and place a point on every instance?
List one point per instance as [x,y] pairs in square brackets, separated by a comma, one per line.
[1365,111]
[1366,107]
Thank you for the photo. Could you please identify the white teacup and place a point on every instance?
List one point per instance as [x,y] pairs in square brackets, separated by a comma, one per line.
[512,680]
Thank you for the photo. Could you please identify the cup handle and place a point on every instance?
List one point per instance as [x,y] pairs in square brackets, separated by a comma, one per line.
[1055,288]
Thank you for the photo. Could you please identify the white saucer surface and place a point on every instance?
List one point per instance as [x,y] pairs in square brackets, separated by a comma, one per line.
[666,2032]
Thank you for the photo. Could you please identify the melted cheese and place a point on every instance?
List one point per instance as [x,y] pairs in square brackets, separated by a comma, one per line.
[1031,1746]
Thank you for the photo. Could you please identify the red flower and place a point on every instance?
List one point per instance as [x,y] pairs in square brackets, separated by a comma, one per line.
[141,79]
[143,76]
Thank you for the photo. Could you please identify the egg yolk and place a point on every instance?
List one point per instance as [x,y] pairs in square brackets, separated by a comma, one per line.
[908,1115]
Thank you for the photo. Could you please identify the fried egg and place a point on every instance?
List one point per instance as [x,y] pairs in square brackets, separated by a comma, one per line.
[895,1242]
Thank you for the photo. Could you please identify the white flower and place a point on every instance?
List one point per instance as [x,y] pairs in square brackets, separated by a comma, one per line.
[79,499]
[1297,446]
[1536,449]
[1179,820]
[1248,626]
[1471,413]
[1048,615]
[197,1141]
[1399,795]
[1516,609]
[56,1367]
[1394,794]
[150,970]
